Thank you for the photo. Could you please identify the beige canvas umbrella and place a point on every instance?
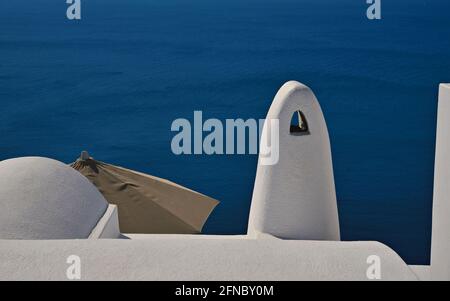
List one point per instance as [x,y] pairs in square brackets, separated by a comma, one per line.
[147,204]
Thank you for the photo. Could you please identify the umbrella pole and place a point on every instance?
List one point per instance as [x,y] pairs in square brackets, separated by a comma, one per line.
[84,155]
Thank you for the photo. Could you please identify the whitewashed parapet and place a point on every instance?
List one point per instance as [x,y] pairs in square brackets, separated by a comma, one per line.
[198,258]
[295,198]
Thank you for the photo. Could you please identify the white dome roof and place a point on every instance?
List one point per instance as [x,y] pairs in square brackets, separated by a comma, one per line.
[42,198]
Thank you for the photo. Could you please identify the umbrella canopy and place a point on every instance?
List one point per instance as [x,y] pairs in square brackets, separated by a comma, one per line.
[147,204]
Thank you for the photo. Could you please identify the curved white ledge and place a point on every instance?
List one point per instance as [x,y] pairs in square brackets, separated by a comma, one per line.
[163,257]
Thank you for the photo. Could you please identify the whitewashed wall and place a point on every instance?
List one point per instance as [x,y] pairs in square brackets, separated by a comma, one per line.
[440,245]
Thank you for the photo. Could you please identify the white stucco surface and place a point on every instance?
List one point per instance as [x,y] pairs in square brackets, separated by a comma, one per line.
[41,198]
[163,257]
[140,236]
[440,242]
[108,225]
[423,272]
[295,198]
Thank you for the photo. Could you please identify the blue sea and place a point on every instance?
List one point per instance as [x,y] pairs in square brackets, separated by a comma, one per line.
[113,82]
